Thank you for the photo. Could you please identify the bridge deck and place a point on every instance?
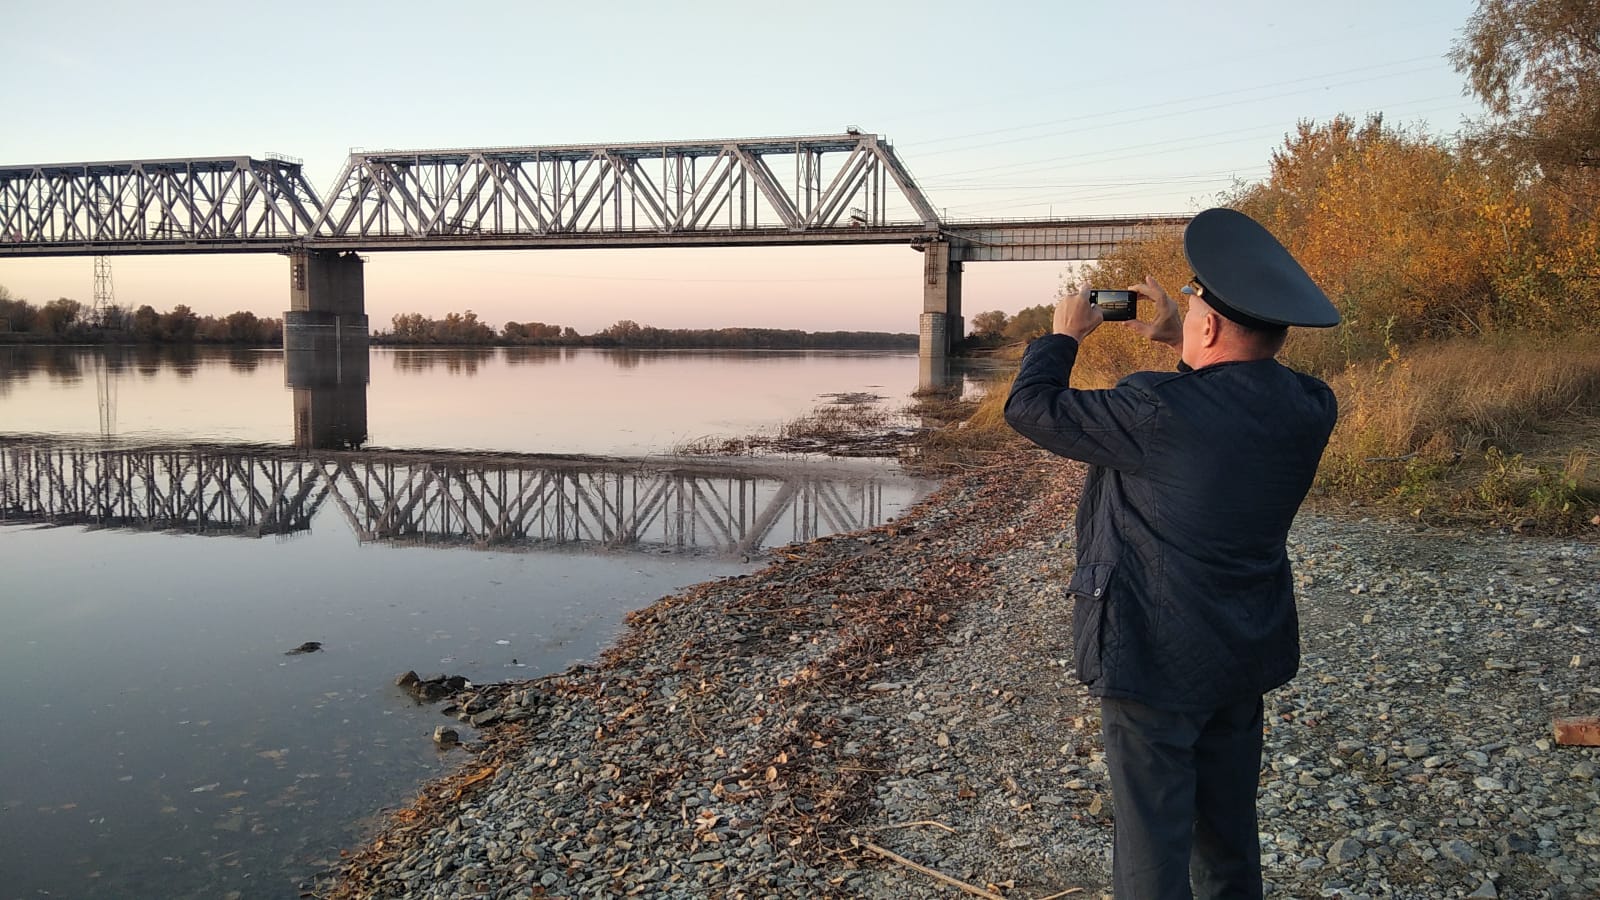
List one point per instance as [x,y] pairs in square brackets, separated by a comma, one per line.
[790,191]
[975,240]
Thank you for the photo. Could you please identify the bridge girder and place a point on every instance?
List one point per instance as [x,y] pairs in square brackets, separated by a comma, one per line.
[797,184]
[1060,240]
[103,207]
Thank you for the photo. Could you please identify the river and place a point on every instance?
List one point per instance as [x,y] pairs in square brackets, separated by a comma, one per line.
[173,523]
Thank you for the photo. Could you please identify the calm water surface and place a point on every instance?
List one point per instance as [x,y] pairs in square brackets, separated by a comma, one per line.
[172,523]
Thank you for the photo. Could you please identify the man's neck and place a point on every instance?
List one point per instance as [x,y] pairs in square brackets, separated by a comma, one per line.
[1211,356]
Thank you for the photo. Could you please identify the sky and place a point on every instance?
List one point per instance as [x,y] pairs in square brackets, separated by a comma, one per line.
[1003,110]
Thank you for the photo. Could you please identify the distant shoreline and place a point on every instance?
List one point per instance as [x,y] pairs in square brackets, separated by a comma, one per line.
[810,341]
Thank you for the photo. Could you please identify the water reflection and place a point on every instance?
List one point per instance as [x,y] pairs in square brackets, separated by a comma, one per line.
[455,360]
[67,364]
[330,396]
[505,502]
[938,375]
[242,359]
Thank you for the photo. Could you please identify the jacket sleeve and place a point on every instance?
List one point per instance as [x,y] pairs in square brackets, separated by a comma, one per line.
[1098,427]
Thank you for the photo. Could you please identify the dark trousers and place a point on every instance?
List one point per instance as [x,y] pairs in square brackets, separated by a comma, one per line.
[1183,789]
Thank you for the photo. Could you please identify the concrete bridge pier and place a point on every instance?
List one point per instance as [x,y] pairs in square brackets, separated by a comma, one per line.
[327,301]
[941,323]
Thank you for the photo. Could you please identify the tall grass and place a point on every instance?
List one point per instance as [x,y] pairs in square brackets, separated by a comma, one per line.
[1499,424]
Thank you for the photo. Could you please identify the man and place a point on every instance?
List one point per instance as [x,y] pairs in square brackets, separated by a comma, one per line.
[1184,609]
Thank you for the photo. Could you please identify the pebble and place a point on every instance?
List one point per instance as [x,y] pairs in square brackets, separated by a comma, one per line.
[1459,851]
[1346,850]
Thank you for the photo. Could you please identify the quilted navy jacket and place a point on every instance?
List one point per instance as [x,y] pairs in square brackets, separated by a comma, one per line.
[1183,599]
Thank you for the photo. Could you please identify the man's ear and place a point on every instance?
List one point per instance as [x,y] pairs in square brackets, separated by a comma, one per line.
[1211,329]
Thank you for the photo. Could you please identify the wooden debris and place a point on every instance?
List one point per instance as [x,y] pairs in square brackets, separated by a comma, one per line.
[1580,731]
[890,855]
[928,822]
[471,781]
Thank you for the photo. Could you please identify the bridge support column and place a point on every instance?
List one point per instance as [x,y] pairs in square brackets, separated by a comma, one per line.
[327,301]
[941,323]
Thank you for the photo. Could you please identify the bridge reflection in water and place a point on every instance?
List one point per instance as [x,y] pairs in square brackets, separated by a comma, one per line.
[486,502]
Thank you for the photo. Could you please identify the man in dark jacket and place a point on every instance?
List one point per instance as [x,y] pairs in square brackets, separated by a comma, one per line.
[1184,611]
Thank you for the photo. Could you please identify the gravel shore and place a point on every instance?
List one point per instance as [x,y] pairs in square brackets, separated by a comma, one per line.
[891,713]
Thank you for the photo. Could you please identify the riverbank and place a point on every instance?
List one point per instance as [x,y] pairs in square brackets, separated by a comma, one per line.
[908,690]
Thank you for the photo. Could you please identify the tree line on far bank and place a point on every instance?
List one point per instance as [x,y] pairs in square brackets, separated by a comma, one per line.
[466,328]
[64,319]
[67,320]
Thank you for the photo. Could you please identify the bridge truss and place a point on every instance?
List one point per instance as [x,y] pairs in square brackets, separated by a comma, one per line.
[155,206]
[526,504]
[848,188]
[716,189]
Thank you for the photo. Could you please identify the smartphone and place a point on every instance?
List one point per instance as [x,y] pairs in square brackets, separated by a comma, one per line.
[1116,306]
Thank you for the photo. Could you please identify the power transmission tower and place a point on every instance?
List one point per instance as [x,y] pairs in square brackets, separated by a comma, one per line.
[104,296]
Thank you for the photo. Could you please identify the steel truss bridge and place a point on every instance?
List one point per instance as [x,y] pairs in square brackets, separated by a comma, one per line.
[827,189]
[434,499]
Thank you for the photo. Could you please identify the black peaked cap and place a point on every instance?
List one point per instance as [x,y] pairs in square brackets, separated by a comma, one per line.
[1248,275]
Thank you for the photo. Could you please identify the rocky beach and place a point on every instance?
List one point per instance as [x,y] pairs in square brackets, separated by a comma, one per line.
[893,714]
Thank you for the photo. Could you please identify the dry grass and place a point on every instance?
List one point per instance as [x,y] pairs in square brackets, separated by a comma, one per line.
[1498,428]
[846,416]
[1467,392]
[967,433]
[855,424]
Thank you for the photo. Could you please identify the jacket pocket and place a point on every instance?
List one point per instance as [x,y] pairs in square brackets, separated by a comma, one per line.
[1088,590]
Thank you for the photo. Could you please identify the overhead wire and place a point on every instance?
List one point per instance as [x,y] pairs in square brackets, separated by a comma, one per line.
[1175,145]
[1364,37]
[1183,102]
[936,176]
[1123,152]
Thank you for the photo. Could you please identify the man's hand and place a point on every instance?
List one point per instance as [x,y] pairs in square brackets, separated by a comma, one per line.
[1076,316]
[1167,326]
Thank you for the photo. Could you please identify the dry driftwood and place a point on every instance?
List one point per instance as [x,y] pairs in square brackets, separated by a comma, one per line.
[890,855]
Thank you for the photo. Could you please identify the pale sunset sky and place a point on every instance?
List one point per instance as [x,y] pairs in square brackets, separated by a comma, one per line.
[1003,109]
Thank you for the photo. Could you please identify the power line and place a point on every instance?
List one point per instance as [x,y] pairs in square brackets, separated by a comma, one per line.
[1091,183]
[1181,102]
[1075,195]
[1122,153]
[1365,38]
[1140,121]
